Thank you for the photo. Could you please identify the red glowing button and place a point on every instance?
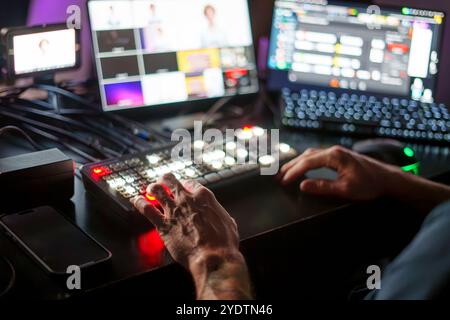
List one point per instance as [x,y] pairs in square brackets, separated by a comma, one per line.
[100,172]
[247,128]
[152,199]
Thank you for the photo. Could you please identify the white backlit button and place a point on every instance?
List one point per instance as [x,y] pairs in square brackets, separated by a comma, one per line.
[150,173]
[284,148]
[218,155]
[153,159]
[231,146]
[242,153]
[230,161]
[199,144]
[258,131]
[190,173]
[217,164]
[266,161]
[207,157]
[244,134]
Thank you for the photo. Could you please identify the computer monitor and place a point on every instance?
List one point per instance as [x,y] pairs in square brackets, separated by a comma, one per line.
[354,46]
[157,52]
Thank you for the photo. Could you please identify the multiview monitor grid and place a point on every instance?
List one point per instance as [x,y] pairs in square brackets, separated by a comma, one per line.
[151,53]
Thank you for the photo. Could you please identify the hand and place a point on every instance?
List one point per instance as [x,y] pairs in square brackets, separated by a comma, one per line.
[192,221]
[201,235]
[359,177]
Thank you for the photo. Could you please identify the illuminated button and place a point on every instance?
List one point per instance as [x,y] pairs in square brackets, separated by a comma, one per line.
[230,161]
[266,160]
[231,146]
[150,173]
[199,144]
[218,155]
[99,172]
[187,163]
[244,134]
[153,159]
[284,148]
[242,153]
[177,175]
[207,157]
[160,171]
[257,131]
[217,164]
[190,173]
[129,179]
[177,166]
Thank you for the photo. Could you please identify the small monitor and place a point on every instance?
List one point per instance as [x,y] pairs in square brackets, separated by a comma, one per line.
[153,53]
[34,51]
[355,46]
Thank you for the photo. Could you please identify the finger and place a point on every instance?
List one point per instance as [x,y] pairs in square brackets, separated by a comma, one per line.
[148,210]
[291,163]
[314,161]
[174,185]
[191,185]
[162,196]
[320,187]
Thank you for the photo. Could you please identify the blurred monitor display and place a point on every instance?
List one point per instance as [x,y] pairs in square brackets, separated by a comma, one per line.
[353,46]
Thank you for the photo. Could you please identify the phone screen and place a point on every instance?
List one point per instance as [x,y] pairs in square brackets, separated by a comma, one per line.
[54,240]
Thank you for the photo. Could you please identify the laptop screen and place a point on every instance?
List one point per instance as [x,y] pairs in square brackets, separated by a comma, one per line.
[355,46]
[156,52]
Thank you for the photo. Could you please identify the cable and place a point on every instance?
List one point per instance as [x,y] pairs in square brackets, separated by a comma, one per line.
[12,278]
[99,149]
[75,123]
[23,133]
[49,136]
[138,130]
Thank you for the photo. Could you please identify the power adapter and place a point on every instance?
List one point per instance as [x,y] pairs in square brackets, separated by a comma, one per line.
[39,177]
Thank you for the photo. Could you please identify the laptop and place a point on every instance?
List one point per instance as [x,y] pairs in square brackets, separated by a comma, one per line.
[353,67]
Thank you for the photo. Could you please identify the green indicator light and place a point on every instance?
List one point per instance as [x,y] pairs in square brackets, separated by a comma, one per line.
[413,168]
[405,11]
[282,65]
[409,152]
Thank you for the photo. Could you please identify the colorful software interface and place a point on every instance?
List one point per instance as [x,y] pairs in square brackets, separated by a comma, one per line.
[346,46]
[166,51]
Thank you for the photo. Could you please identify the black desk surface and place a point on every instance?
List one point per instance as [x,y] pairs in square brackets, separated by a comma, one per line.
[260,207]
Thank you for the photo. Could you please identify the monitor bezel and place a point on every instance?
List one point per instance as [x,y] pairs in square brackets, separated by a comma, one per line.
[277,80]
[165,110]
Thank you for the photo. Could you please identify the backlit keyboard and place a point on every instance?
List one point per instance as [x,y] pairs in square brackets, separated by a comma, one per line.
[121,179]
[366,115]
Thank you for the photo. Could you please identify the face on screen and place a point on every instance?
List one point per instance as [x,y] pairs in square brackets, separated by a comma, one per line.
[158,52]
[44,51]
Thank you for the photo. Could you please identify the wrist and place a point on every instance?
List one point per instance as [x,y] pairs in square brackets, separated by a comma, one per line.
[210,260]
[220,274]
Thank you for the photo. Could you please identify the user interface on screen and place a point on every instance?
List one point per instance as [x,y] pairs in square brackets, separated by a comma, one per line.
[44,51]
[166,51]
[345,45]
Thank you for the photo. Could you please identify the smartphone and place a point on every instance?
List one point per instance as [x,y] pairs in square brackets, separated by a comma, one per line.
[52,240]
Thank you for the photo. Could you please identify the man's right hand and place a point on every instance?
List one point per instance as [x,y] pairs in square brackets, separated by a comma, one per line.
[359,177]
